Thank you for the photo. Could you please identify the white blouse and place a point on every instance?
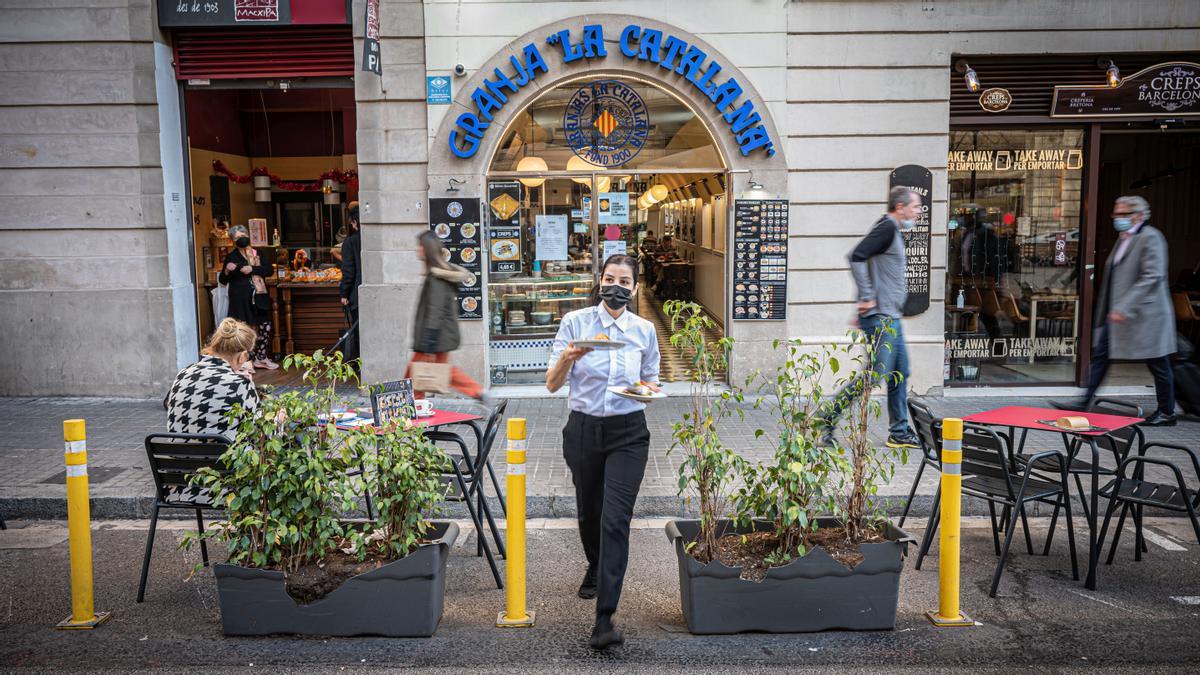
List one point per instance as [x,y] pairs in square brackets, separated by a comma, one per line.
[592,375]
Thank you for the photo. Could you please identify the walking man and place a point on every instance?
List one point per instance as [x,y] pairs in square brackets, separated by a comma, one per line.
[1134,317]
[877,265]
[351,279]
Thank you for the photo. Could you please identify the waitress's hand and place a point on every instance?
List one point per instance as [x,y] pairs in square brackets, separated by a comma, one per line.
[653,386]
[573,353]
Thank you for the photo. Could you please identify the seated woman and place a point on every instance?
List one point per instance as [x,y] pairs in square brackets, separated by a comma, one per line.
[204,392]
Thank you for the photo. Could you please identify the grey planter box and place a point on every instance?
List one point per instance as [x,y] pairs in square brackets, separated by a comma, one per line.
[812,593]
[401,599]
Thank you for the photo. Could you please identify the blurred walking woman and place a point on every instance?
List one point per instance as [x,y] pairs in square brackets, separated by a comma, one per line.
[435,328]
[241,266]
[605,441]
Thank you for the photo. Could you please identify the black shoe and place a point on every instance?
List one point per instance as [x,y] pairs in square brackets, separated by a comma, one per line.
[587,590]
[1160,419]
[906,440]
[604,635]
[1074,404]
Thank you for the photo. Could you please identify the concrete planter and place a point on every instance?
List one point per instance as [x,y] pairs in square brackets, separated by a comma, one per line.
[401,599]
[812,593]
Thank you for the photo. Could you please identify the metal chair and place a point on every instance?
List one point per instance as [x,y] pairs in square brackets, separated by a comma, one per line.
[173,459]
[929,432]
[1136,492]
[988,474]
[485,439]
[466,477]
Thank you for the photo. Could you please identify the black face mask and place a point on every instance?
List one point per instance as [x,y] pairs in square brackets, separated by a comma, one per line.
[615,296]
[242,242]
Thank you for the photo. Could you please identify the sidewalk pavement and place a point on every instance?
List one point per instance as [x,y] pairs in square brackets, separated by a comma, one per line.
[32,478]
[1143,617]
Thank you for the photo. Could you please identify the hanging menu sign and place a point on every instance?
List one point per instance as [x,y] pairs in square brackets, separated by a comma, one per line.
[504,230]
[456,223]
[917,240]
[760,240]
[1168,89]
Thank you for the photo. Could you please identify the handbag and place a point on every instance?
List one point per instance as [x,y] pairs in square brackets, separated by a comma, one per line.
[428,376]
[261,299]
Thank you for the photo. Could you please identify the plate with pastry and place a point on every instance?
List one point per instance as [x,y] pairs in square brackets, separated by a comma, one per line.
[1073,423]
[638,391]
[599,341]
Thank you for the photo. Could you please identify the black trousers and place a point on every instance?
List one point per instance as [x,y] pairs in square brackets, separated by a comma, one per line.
[607,457]
[1160,369]
[350,348]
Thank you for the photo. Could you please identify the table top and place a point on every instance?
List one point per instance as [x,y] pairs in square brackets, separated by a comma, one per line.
[440,418]
[1022,417]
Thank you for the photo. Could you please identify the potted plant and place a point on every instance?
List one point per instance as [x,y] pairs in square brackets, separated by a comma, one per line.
[297,564]
[807,548]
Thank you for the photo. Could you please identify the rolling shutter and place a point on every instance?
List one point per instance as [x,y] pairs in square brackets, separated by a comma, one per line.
[267,52]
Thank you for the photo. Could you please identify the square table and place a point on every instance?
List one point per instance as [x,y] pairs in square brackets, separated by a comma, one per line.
[1026,418]
[440,418]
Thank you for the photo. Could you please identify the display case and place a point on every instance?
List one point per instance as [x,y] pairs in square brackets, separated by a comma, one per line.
[524,315]
[317,264]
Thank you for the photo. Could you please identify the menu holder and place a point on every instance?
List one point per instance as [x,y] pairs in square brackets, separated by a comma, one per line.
[393,400]
[760,243]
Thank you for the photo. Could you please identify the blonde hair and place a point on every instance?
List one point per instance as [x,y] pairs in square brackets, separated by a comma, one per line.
[230,338]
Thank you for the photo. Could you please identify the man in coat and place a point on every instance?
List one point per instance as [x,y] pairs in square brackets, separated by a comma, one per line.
[351,279]
[1135,320]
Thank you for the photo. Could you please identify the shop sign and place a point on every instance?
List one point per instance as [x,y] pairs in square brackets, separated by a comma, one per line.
[670,53]
[184,13]
[456,223]
[606,123]
[371,60]
[1166,89]
[1010,348]
[916,240]
[760,241]
[1022,159]
[995,100]
[437,90]
[504,232]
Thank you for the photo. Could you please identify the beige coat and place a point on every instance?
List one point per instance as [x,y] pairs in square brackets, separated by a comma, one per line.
[1140,292]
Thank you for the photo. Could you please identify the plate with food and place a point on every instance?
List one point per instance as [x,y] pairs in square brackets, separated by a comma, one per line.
[599,341]
[442,230]
[638,391]
[504,250]
[1073,423]
[468,254]
[468,230]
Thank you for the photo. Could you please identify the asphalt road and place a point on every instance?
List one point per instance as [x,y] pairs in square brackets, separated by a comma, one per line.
[1042,619]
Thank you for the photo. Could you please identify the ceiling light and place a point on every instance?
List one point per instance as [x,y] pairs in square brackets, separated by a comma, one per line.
[532,164]
[577,163]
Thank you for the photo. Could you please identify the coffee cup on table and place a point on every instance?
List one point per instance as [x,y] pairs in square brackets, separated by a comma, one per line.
[424,407]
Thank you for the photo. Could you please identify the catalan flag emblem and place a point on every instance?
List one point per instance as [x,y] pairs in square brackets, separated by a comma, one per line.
[605,123]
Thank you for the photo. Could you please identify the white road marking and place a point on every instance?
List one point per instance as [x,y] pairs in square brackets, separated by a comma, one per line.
[1186,599]
[1105,602]
[1160,541]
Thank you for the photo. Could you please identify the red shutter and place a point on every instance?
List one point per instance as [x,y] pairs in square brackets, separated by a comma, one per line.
[267,52]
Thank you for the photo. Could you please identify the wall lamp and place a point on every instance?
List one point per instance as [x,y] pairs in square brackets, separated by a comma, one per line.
[1111,71]
[969,76]
[453,183]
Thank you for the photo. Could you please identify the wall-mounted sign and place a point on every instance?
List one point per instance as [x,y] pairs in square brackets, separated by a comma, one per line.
[504,232]
[180,13]
[1023,159]
[917,240]
[456,223]
[995,100]
[372,61]
[1166,89]
[687,64]
[760,241]
[606,122]
[437,90]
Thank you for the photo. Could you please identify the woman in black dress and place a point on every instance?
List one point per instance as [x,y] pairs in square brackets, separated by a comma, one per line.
[240,266]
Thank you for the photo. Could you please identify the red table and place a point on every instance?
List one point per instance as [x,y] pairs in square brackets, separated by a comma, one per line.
[1029,419]
[440,418]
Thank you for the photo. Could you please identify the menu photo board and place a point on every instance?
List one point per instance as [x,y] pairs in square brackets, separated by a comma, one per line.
[760,259]
[918,239]
[391,401]
[456,223]
[504,230]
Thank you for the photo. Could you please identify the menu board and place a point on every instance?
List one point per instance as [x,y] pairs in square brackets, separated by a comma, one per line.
[917,240]
[456,223]
[392,400]
[504,231]
[760,241]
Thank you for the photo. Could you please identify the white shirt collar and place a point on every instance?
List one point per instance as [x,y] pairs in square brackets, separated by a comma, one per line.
[607,319]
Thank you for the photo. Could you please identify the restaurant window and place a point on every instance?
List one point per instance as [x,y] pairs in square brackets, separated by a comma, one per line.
[1012,287]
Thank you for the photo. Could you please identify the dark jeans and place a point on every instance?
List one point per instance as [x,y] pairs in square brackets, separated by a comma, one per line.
[607,458]
[1160,368]
[891,361]
[350,348]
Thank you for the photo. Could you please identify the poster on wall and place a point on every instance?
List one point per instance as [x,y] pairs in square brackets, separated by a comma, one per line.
[917,240]
[258,231]
[760,243]
[456,223]
[551,237]
[614,247]
[613,208]
[504,230]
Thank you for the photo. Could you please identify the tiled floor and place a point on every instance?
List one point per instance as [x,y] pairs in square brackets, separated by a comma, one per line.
[676,363]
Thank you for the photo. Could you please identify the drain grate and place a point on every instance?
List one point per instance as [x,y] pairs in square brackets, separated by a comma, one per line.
[96,475]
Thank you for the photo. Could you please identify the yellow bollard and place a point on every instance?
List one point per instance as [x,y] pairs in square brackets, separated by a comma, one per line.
[514,534]
[79,527]
[948,613]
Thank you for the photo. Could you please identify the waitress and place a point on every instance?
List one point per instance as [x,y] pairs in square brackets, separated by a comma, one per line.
[606,441]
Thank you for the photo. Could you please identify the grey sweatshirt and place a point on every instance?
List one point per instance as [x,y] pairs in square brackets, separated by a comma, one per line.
[877,265]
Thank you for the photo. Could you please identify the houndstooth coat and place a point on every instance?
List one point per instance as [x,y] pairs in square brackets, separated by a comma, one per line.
[202,395]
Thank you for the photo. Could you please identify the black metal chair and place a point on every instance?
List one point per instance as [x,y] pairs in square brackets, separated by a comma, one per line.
[987,471]
[463,480]
[929,432]
[485,440]
[173,459]
[1136,492]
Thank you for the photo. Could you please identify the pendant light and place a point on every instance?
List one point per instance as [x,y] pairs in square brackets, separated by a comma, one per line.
[531,164]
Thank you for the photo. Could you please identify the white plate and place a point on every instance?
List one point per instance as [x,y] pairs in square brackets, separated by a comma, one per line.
[620,391]
[600,344]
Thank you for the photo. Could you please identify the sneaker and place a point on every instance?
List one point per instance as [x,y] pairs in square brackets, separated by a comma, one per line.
[587,589]
[266,363]
[905,440]
[604,634]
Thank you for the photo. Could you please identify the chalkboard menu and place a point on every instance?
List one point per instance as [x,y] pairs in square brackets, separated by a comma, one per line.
[456,223]
[760,241]
[916,241]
